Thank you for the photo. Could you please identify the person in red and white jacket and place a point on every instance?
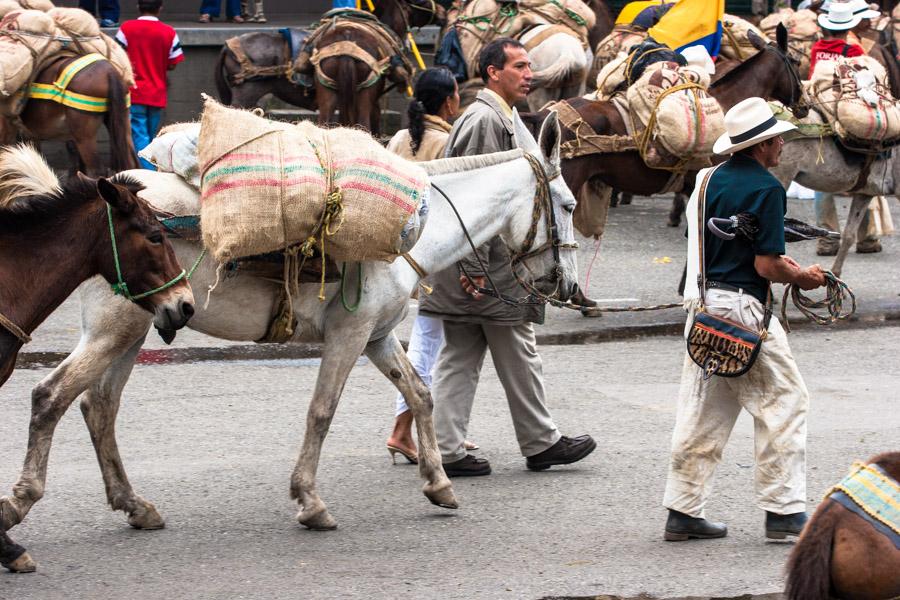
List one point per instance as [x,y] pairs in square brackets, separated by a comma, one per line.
[154,49]
[839,20]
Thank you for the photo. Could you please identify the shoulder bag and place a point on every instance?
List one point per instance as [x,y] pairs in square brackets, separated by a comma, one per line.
[718,345]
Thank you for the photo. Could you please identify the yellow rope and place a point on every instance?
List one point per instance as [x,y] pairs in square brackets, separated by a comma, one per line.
[644,140]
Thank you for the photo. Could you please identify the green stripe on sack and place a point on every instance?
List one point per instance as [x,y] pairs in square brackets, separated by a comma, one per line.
[385,179]
[223,171]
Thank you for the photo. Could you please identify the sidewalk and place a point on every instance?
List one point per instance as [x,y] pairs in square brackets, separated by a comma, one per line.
[639,263]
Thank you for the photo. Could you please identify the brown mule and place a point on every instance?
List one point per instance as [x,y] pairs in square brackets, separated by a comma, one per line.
[841,555]
[46,120]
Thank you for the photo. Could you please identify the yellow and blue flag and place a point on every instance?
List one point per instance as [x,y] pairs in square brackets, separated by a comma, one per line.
[631,10]
[692,23]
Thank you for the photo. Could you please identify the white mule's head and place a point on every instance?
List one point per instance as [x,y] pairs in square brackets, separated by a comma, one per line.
[549,272]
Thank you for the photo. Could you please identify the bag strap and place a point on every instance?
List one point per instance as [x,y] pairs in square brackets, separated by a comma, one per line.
[701,233]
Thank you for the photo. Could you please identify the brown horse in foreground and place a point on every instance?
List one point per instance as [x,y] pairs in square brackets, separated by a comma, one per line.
[52,238]
[841,555]
[44,120]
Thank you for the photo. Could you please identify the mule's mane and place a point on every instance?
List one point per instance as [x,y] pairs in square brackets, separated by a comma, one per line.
[459,164]
[738,70]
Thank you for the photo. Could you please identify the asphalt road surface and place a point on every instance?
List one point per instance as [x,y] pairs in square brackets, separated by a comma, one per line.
[213,445]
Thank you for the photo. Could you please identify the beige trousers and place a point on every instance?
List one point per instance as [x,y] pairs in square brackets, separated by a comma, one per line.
[774,394]
[455,378]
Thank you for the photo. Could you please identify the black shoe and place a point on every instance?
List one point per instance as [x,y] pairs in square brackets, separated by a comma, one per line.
[566,451]
[779,527]
[468,466]
[681,527]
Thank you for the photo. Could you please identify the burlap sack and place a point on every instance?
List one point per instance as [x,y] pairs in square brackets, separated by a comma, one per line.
[8,6]
[75,21]
[684,124]
[479,22]
[25,36]
[735,41]
[118,58]
[611,78]
[41,5]
[264,185]
[867,115]
[620,40]
[174,150]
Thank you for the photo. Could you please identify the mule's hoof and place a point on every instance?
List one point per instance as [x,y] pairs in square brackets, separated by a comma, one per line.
[146,517]
[23,564]
[673,222]
[443,496]
[318,521]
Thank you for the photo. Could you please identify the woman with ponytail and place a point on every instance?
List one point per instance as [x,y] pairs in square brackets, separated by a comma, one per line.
[435,102]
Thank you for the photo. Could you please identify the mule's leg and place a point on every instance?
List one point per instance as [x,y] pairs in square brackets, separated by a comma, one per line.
[14,557]
[108,330]
[858,209]
[343,346]
[249,93]
[327,100]
[83,128]
[387,354]
[677,210]
[99,406]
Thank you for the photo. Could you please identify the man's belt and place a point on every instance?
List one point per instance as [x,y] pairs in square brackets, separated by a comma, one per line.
[718,285]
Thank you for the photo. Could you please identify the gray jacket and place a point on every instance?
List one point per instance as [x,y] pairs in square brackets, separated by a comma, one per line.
[483,129]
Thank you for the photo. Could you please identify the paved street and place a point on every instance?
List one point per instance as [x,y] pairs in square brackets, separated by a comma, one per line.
[213,444]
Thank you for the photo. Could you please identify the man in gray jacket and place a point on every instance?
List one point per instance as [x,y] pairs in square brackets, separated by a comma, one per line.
[472,322]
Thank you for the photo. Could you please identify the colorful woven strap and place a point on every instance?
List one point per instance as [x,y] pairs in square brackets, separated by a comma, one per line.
[58,90]
[875,492]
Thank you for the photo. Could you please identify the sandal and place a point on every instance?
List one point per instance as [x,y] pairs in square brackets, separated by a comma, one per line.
[236,19]
[205,18]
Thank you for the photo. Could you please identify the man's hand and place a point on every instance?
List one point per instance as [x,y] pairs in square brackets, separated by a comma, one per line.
[812,277]
[470,287]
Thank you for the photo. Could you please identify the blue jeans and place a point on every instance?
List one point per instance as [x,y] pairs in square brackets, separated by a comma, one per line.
[213,8]
[109,9]
[144,125]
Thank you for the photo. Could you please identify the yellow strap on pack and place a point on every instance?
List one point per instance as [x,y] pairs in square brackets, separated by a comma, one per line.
[58,90]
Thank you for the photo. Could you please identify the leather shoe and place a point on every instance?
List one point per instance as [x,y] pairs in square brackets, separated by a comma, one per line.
[565,451]
[779,527]
[681,527]
[468,466]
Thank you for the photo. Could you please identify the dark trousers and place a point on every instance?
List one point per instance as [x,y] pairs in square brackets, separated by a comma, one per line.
[109,9]
[213,8]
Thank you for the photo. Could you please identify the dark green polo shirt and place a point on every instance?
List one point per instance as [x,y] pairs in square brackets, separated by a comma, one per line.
[744,185]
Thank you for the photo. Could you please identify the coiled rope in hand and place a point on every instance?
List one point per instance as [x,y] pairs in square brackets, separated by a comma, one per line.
[835,293]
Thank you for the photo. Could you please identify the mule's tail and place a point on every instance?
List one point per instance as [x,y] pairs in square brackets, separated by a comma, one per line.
[346,89]
[222,86]
[24,172]
[809,566]
[121,147]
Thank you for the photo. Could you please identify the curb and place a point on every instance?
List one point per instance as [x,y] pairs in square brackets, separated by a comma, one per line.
[884,314]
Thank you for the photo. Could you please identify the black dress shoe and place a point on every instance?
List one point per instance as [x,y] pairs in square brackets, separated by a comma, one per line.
[567,450]
[681,527]
[468,466]
[779,527]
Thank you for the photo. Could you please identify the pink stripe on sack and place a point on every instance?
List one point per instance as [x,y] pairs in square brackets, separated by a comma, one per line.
[350,162]
[230,185]
[371,189]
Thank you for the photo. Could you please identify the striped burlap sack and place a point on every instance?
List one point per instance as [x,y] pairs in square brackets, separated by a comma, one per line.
[674,128]
[24,36]
[264,187]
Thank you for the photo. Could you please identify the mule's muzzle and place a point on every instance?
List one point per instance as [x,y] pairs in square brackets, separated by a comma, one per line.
[174,315]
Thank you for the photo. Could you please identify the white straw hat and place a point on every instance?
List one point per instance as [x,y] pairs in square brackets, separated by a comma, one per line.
[864,10]
[698,56]
[840,17]
[749,122]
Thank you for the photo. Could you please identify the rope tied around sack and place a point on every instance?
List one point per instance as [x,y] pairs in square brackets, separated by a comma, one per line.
[644,138]
[835,293]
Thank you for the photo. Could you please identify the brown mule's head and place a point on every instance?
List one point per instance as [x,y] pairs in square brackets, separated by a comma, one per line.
[139,261]
[788,86]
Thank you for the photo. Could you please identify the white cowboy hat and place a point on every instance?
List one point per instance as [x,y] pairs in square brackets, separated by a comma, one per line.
[864,10]
[749,122]
[698,56]
[840,17]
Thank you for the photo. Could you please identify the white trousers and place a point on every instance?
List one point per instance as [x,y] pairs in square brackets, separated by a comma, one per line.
[424,343]
[774,394]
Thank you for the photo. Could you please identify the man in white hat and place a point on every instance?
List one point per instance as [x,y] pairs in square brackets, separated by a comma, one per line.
[738,274]
[835,24]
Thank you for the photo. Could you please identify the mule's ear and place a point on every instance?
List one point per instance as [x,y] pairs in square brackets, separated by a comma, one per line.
[115,195]
[549,139]
[781,37]
[756,41]
[524,139]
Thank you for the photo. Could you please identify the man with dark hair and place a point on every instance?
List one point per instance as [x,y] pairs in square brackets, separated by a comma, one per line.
[473,323]
[153,49]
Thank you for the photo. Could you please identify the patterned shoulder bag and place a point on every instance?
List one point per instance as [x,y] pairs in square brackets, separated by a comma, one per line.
[721,346]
